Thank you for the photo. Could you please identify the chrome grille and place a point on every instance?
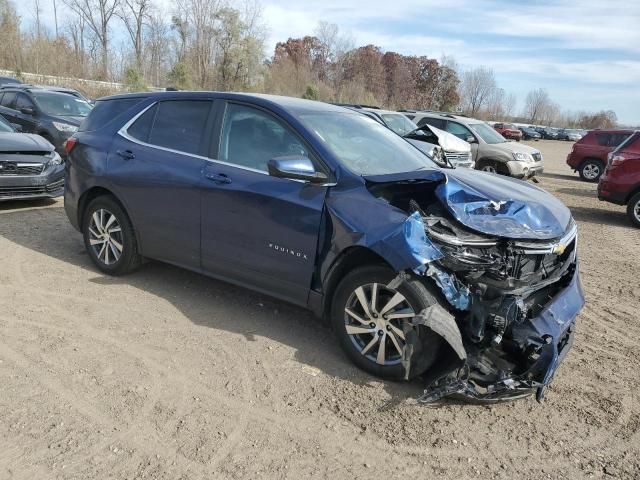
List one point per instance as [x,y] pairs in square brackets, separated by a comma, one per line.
[459,157]
[26,191]
[12,168]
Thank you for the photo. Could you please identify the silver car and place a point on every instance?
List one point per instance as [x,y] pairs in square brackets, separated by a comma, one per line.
[491,151]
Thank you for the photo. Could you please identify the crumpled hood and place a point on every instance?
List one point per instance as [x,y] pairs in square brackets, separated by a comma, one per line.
[497,205]
[449,142]
[493,204]
[23,142]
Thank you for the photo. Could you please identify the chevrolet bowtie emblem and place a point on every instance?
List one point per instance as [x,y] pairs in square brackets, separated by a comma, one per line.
[559,249]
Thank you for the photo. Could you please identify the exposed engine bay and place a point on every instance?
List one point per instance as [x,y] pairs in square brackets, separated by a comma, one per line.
[507,318]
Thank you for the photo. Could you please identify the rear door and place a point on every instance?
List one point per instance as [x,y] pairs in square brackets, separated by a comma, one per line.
[7,105]
[156,163]
[259,230]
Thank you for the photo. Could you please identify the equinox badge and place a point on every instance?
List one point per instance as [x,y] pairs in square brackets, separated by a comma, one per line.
[288,251]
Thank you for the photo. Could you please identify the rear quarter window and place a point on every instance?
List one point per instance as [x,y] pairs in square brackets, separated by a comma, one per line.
[105,111]
[180,125]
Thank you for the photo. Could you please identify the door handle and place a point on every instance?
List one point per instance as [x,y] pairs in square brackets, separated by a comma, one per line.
[126,154]
[218,177]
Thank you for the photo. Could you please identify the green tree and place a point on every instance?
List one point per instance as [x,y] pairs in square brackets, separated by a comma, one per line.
[179,77]
[311,93]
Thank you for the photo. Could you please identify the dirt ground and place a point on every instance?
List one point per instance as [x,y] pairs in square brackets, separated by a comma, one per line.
[166,374]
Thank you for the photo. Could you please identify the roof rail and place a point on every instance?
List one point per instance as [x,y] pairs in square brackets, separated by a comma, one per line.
[354,105]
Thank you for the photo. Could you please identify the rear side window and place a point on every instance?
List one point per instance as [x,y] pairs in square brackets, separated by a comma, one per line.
[141,128]
[180,124]
[7,99]
[603,139]
[611,139]
[105,111]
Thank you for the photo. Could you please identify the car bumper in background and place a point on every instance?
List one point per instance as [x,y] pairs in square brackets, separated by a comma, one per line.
[49,184]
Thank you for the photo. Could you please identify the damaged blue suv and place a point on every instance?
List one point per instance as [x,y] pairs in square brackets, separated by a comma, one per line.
[467,279]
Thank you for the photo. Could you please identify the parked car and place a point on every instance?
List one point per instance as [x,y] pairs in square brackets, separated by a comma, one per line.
[547,133]
[569,135]
[508,131]
[9,81]
[328,209]
[530,134]
[53,115]
[29,166]
[588,156]
[442,147]
[491,151]
[620,183]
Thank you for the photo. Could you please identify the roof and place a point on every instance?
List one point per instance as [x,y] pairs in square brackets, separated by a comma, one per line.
[461,118]
[292,104]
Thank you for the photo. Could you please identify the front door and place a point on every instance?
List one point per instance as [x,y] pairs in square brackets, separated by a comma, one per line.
[155,164]
[259,230]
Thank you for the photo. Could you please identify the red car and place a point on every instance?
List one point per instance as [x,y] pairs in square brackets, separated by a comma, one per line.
[508,131]
[620,183]
[588,156]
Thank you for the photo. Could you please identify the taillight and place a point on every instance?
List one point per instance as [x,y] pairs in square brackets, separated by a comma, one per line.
[69,144]
[616,160]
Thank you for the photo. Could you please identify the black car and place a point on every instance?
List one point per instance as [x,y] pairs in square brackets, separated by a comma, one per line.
[468,277]
[547,133]
[9,81]
[530,134]
[29,166]
[53,115]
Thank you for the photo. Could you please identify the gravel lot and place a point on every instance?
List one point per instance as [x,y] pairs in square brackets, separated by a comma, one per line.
[167,374]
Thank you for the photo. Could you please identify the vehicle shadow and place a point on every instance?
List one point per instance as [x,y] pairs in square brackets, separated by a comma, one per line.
[560,176]
[205,301]
[578,192]
[25,204]
[601,216]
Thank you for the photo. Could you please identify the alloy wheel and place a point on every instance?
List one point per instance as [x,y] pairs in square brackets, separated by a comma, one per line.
[591,171]
[105,236]
[374,315]
[489,168]
[636,211]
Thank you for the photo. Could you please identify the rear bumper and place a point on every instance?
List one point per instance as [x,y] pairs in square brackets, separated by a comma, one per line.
[49,184]
[609,192]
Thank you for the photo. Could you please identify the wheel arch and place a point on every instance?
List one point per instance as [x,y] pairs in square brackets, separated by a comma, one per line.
[349,259]
[501,166]
[586,159]
[634,191]
[98,191]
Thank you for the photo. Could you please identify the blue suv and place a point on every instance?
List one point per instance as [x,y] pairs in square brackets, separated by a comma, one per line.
[465,278]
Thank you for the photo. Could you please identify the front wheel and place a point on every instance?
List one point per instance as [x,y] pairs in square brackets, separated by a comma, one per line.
[633,210]
[369,317]
[109,237]
[489,166]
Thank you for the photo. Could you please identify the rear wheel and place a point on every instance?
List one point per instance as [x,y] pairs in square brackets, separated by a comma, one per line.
[109,237]
[591,170]
[633,210]
[369,317]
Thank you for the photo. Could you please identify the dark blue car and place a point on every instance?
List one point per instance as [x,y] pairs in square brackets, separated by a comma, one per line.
[467,279]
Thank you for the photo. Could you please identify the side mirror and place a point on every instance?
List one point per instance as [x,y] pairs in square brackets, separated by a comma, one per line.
[470,139]
[17,127]
[295,167]
[27,110]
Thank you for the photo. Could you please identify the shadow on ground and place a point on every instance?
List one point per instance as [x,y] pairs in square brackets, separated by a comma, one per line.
[204,301]
[601,216]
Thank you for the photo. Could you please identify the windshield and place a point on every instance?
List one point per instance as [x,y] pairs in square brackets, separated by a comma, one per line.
[5,127]
[62,105]
[364,146]
[398,123]
[486,133]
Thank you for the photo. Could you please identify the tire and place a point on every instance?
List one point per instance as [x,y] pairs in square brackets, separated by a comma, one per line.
[591,170]
[633,210]
[416,296]
[489,166]
[109,237]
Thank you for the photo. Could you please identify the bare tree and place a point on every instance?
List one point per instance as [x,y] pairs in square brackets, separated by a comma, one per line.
[476,88]
[98,15]
[55,16]
[157,47]
[134,14]
[538,105]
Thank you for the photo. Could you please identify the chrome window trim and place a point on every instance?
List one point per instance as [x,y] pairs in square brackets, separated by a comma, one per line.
[123,132]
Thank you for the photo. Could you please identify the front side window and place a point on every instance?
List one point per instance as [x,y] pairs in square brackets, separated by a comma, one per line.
[23,102]
[252,137]
[7,99]
[458,130]
[61,105]
[179,125]
[363,145]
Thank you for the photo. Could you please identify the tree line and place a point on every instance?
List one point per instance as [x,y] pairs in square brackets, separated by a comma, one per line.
[220,45]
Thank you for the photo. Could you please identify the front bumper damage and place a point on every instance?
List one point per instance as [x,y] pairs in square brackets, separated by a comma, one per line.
[503,257]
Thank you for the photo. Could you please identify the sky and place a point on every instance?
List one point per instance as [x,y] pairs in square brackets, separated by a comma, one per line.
[585,53]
